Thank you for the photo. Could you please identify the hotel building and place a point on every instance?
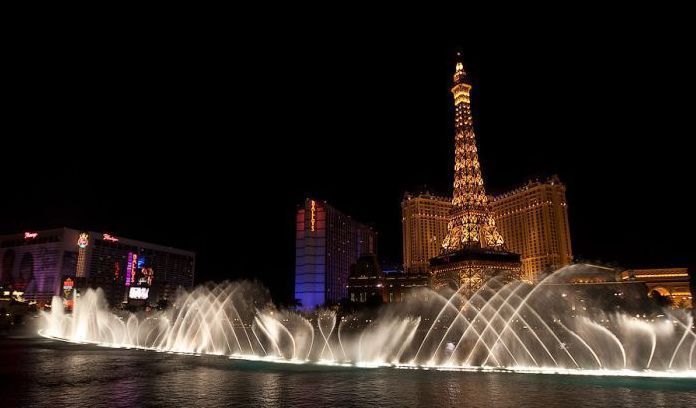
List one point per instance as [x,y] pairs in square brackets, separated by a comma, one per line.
[673,283]
[533,220]
[424,219]
[327,243]
[43,264]
[636,284]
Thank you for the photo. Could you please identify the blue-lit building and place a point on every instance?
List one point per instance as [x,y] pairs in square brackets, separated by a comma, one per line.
[327,243]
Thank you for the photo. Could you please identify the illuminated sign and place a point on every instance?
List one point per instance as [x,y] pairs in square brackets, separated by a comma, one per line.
[313,212]
[138,293]
[68,293]
[134,267]
[129,266]
[30,235]
[83,240]
[148,274]
[109,237]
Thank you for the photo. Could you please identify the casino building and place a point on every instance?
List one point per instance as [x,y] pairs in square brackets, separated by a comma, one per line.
[327,243]
[424,225]
[673,283]
[59,262]
[533,219]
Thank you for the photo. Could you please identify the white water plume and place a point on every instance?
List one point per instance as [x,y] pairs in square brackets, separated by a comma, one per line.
[513,326]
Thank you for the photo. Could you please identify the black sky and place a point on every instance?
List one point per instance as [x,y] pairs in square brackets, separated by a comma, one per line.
[208,140]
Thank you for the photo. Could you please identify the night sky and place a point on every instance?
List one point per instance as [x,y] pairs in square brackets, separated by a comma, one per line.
[209,142]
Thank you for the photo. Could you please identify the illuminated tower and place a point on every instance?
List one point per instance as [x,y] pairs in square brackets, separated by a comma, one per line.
[473,250]
[82,243]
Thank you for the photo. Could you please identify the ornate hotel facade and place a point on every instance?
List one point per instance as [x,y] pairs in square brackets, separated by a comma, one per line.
[533,220]
[673,283]
[424,224]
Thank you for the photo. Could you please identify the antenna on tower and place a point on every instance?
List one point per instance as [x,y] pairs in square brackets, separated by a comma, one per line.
[459,72]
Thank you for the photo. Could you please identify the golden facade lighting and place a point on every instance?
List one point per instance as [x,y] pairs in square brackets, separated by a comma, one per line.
[671,282]
[533,220]
[424,226]
[472,251]
[471,221]
[82,242]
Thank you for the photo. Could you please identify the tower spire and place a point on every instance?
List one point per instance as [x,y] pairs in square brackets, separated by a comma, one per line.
[459,72]
[471,223]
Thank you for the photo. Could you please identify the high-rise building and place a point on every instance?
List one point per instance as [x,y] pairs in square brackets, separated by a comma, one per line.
[424,219]
[43,264]
[327,243]
[473,250]
[533,220]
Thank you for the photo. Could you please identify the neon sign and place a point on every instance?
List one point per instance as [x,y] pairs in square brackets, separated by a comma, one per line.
[149,273]
[68,294]
[30,235]
[83,240]
[129,266]
[134,267]
[313,212]
[109,237]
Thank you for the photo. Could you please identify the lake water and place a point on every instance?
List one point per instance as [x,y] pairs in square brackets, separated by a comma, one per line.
[44,373]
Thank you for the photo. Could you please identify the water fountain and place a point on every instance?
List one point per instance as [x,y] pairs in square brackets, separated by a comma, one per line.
[551,327]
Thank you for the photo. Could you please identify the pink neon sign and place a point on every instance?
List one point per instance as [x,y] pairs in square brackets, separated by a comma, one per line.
[30,235]
[134,267]
[109,237]
[129,266]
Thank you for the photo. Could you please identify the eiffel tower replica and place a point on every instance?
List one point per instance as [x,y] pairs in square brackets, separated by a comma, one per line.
[473,250]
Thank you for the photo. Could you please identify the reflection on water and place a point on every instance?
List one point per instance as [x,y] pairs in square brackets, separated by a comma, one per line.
[39,372]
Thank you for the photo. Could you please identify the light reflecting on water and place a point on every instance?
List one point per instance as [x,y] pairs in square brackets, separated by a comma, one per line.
[511,325]
[40,372]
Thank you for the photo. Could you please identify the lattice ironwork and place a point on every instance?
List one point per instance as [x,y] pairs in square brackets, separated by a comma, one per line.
[471,222]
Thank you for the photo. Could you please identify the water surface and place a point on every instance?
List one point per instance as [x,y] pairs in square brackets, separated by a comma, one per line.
[37,372]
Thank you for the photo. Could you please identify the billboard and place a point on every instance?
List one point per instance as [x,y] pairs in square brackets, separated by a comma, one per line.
[138,293]
[69,292]
[131,268]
